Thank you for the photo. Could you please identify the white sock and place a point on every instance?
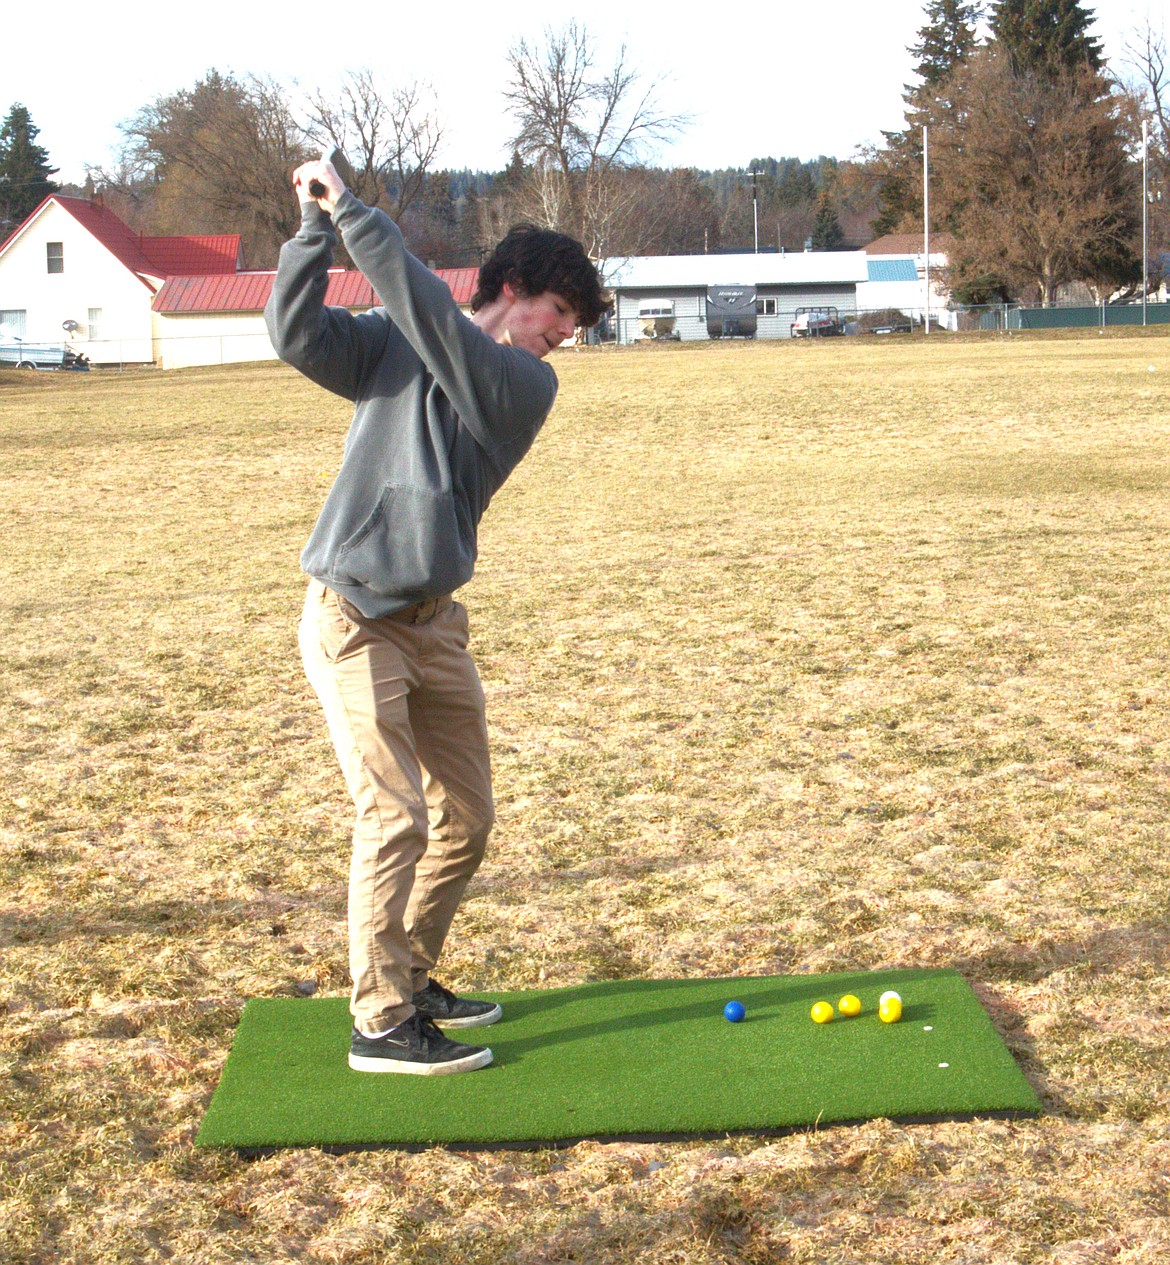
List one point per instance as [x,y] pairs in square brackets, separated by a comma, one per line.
[373,1036]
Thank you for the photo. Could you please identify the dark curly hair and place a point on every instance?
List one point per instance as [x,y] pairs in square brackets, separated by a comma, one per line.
[532,260]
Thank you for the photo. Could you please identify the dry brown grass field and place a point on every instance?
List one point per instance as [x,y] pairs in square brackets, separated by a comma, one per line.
[799,658]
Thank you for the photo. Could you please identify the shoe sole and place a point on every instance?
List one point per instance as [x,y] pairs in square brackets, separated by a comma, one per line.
[473,1021]
[375,1063]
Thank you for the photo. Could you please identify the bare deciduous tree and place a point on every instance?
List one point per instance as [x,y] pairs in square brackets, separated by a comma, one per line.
[216,158]
[1147,56]
[579,130]
[390,136]
[677,215]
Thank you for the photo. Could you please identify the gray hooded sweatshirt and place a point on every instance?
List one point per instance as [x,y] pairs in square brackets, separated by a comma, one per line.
[443,412]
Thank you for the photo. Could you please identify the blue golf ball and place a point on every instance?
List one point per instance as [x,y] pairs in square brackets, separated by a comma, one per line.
[734,1012]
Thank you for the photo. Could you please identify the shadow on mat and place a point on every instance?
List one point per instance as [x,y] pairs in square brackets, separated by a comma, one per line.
[761,1003]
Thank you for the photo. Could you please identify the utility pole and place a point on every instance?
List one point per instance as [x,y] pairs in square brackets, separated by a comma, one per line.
[1145,214]
[755,209]
[926,221]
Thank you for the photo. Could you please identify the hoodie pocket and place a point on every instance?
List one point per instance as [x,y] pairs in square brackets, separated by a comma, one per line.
[415,544]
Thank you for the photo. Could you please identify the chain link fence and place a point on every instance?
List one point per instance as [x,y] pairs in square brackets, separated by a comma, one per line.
[1017,316]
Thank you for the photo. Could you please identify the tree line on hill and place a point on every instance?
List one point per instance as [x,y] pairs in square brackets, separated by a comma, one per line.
[1034,146]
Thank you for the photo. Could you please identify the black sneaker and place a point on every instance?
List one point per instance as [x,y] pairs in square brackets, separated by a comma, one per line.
[448,1011]
[415,1046]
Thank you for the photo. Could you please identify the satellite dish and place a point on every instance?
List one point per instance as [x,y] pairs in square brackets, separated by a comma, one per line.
[70,327]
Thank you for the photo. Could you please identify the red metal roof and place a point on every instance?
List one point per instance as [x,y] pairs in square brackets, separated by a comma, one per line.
[249,291]
[462,282]
[243,292]
[349,289]
[185,256]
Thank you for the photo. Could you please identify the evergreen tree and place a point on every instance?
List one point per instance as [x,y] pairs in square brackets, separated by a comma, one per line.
[786,197]
[24,169]
[514,176]
[945,42]
[786,181]
[469,227]
[826,234]
[946,39]
[500,206]
[794,183]
[1050,36]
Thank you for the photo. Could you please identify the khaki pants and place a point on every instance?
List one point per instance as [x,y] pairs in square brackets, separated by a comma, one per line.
[405,710]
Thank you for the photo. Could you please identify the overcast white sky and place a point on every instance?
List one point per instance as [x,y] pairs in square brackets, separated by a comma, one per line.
[785,78]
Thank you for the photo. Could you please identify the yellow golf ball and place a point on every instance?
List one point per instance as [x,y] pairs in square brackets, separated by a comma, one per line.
[890,1011]
[849,1005]
[822,1012]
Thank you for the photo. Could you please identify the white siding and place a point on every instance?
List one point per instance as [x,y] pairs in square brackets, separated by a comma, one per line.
[773,326]
[690,317]
[211,338]
[92,278]
[905,296]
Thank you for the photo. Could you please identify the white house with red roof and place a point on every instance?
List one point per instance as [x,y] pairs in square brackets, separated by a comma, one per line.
[74,272]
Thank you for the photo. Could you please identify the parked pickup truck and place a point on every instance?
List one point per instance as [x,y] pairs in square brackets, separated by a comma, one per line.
[24,355]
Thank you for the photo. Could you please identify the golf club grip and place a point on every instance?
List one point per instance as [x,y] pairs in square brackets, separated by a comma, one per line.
[332,154]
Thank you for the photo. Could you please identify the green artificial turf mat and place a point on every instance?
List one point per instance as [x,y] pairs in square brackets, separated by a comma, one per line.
[635,1058]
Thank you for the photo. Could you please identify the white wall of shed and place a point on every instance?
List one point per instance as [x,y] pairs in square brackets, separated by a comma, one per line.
[210,338]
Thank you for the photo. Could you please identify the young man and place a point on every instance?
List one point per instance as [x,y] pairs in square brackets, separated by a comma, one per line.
[445,409]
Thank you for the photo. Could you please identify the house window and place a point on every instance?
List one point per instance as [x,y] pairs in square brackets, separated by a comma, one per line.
[12,323]
[766,307]
[55,254]
[95,322]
